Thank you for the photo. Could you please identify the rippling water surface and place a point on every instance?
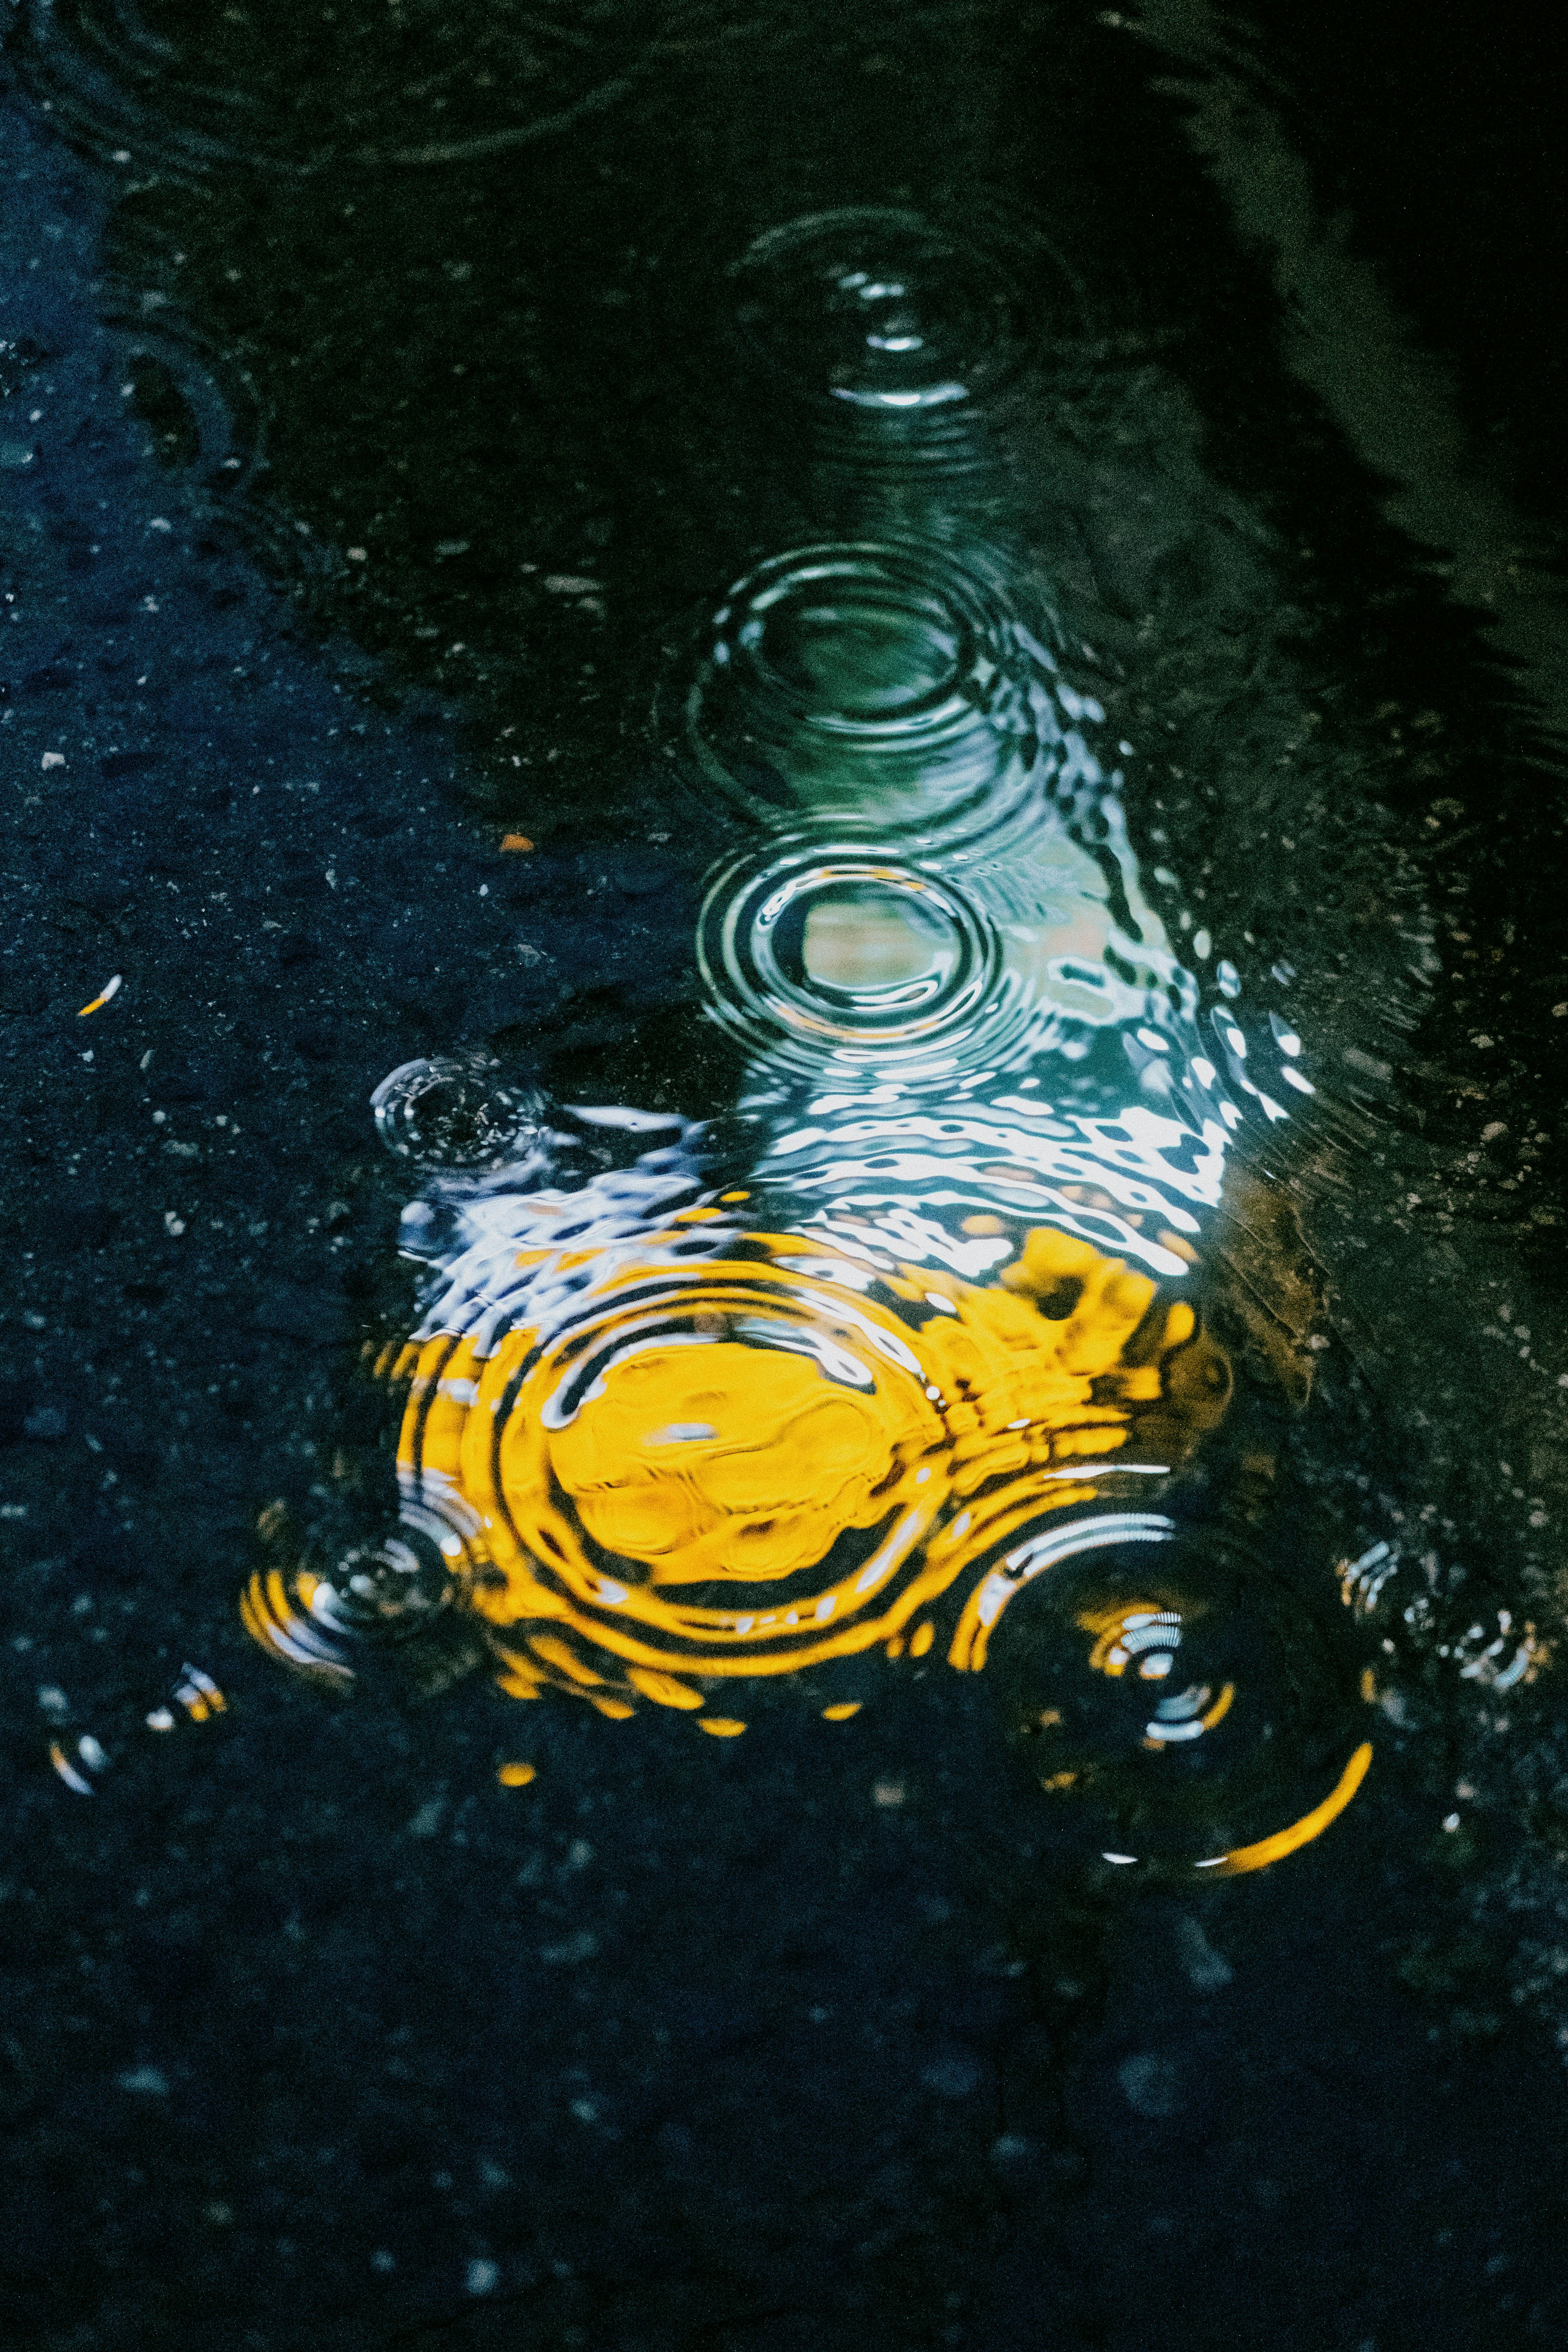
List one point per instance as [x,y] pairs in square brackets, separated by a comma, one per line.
[790,1008]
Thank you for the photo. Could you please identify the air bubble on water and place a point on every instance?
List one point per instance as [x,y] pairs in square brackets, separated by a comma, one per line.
[457,1111]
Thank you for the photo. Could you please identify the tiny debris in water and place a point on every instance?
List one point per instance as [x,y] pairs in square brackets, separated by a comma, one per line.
[111,988]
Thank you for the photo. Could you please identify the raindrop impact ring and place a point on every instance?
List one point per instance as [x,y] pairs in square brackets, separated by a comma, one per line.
[836,950]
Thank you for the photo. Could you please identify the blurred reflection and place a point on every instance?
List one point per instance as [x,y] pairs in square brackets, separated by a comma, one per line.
[81,1758]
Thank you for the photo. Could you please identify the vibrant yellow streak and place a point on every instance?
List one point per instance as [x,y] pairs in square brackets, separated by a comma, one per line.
[841,1712]
[1220,1707]
[722,1727]
[1302,1832]
[111,988]
[663,1689]
[517,1776]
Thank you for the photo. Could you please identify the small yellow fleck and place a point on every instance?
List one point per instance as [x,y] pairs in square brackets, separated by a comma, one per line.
[517,1776]
[722,1727]
[616,1709]
[984,1226]
[841,1712]
[515,841]
[734,1196]
[520,1686]
[110,988]
[921,1640]
[663,1689]
[896,1646]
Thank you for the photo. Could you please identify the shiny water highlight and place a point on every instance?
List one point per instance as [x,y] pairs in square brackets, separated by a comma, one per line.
[883,680]
[882,309]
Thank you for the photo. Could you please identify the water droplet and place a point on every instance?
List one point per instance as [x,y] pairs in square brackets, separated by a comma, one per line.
[456,1111]
[888,313]
[827,947]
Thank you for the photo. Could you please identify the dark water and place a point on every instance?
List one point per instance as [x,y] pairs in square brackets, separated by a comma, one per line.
[784,958]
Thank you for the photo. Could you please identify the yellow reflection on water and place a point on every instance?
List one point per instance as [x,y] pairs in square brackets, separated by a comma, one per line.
[768,1457]
[1301,1833]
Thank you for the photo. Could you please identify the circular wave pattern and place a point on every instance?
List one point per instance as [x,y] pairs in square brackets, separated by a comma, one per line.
[673,1461]
[190,88]
[738,1455]
[852,676]
[829,951]
[379,1595]
[888,313]
[455,1111]
[1170,1686]
[716,1468]
[203,413]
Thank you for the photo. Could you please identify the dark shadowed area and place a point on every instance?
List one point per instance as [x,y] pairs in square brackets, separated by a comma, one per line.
[392,397]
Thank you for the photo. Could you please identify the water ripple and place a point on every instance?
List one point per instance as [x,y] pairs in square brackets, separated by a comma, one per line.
[187,89]
[456,1111]
[838,948]
[884,310]
[874,677]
